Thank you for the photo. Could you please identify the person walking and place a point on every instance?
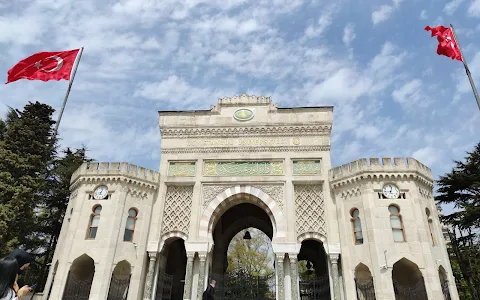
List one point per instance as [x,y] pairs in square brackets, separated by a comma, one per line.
[209,293]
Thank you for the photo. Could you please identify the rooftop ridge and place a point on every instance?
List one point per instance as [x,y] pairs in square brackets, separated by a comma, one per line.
[398,164]
[244,99]
[115,168]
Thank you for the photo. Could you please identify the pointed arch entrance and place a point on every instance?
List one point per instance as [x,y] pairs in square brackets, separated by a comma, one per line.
[408,283]
[234,218]
[172,269]
[313,271]
[364,283]
[80,278]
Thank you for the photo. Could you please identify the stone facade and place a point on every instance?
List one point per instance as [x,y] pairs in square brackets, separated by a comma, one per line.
[246,150]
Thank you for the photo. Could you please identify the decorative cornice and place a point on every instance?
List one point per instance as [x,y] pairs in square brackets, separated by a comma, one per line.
[250,131]
[141,187]
[372,170]
[244,99]
[245,149]
[122,173]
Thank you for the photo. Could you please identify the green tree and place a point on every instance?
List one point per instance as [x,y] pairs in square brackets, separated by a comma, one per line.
[461,187]
[251,257]
[26,149]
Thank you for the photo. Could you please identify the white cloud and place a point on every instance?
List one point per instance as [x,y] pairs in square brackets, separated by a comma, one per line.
[410,95]
[474,9]
[452,6]
[323,22]
[382,14]
[349,34]
[423,15]
[428,155]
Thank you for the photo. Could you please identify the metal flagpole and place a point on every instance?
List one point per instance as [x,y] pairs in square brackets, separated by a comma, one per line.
[68,92]
[467,70]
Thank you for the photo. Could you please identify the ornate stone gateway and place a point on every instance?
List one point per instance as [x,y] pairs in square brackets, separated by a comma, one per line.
[245,163]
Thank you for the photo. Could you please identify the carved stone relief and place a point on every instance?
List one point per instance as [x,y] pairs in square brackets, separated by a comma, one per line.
[177,211]
[274,191]
[309,209]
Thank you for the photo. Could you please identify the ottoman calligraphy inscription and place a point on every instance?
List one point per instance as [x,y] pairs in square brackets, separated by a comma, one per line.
[306,167]
[243,168]
[181,169]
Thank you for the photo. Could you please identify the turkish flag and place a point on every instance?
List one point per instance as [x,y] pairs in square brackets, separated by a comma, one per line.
[446,42]
[44,66]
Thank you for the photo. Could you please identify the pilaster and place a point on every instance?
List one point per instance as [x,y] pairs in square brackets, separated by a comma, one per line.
[187,291]
[294,276]
[336,283]
[280,276]
[147,295]
[201,275]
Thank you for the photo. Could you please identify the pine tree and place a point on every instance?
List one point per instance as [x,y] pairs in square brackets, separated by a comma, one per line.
[461,187]
[26,149]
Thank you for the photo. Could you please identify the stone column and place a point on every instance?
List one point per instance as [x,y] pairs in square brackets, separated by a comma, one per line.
[280,276]
[187,290]
[294,276]
[336,283]
[201,275]
[147,295]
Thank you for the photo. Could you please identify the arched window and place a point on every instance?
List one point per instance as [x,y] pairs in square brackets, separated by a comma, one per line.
[130,226]
[396,223]
[357,227]
[430,225]
[94,220]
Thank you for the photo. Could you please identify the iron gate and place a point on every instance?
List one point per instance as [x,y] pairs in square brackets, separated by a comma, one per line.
[317,288]
[77,289]
[164,286]
[446,291]
[119,285]
[243,286]
[415,291]
[365,289]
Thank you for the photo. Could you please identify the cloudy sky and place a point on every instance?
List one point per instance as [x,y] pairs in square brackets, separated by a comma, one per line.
[372,60]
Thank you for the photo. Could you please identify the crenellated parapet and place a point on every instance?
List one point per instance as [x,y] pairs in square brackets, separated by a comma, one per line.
[374,168]
[115,171]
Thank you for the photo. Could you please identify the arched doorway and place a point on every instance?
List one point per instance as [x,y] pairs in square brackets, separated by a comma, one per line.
[364,283]
[242,258]
[408,283]
[120,281]
[171,277]
[313,271]
[80,278]
[442,274]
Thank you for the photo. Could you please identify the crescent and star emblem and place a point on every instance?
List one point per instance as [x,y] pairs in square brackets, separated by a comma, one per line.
[59,65]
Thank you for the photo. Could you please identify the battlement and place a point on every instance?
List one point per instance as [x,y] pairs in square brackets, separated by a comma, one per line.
[398,164]
[115,168]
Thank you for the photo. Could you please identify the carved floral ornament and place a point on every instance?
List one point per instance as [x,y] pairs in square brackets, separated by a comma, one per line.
[184,150]
[179,133]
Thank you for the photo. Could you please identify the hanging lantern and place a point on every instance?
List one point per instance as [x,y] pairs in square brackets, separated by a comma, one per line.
[247,236]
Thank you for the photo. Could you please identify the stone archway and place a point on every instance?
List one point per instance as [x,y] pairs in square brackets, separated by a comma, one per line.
[120,281]
[313,270]
[80,278]
[408,282]
[240,213]
[364,283]
[172,269]
[236,195]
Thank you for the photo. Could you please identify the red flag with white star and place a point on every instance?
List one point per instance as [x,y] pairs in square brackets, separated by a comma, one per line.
[447,45]
[44,66]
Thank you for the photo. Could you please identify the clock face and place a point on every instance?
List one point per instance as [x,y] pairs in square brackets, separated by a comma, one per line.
[391,191]
[100,192]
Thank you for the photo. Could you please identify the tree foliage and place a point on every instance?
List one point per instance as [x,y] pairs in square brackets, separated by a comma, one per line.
[34,185]
[26,148]
[461,187]
[251,257]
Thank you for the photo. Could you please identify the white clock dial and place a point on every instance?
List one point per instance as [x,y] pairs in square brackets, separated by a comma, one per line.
[100,192]
[391,191]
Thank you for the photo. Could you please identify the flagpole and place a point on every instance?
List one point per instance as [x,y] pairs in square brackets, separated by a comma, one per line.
[467,70]
[68,92]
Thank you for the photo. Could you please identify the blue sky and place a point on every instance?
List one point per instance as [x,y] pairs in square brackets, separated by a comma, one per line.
[372,60]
